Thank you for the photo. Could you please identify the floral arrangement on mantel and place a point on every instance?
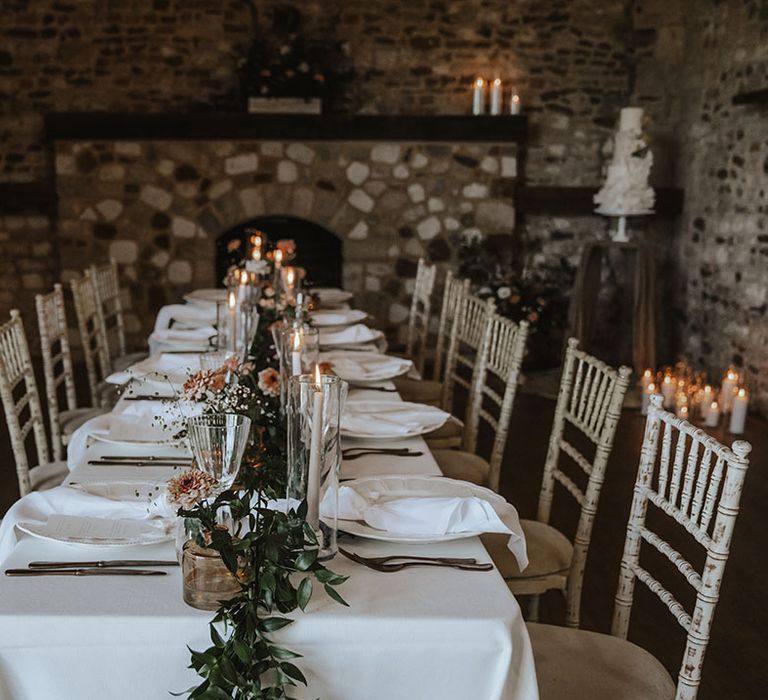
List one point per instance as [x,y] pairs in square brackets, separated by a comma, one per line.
[272,554]
[519,296]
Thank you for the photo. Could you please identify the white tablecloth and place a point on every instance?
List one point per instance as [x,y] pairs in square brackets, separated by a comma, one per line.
[419,634]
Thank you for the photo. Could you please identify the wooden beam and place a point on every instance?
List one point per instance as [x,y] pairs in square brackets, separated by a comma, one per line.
[578,201]
[215,126]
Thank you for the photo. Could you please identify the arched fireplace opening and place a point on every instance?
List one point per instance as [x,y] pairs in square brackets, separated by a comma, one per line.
[317,249]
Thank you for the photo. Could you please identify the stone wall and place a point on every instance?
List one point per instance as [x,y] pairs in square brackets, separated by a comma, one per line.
[569,59]
[158,206]
[687,79]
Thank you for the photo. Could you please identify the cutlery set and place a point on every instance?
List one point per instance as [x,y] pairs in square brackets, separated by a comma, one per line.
[398,562]
[141,461]
[356,452]
[113,567]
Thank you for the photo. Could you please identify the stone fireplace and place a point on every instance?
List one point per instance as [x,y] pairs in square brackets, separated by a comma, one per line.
[158,206]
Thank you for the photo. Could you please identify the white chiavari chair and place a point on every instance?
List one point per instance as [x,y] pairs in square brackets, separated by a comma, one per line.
[63,414]
[21,403]
[697,482]
[113,355]
[491,399]
[91,341]
[431,390]
[589,402]
[418,322]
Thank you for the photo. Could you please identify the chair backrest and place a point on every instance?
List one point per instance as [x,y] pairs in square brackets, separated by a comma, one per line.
[499,366]
[21,402]
[109,311]
[453,289]
[57,360]
[590,399]
[699,488]
[418,321]
[469,328]
[91,337]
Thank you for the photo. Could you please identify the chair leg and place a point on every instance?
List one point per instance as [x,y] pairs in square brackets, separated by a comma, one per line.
[533,608]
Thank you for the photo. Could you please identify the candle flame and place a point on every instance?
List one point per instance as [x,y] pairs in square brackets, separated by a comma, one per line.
[297,341]
[667,379]
[742,392]
[515,98]
[647,374]
[651,388]
[479,82]
[713,405]
[733,376]
[318,376]
[497,82]
[290,275]
[256,253]
[244,277]
[278,256]
[707,388]
[232,300]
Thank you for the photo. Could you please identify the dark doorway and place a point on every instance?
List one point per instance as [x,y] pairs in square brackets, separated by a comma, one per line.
[318,250]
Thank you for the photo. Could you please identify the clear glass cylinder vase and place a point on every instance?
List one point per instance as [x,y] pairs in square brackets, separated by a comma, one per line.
[298,350]
[314,452]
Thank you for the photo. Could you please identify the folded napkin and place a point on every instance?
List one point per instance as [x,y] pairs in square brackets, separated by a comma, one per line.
[63,500]
[331,295]
[161,369]
[390,418]
[340,317]
[365,367]
[192,317]
[193,340]
[354,334]
[431,516]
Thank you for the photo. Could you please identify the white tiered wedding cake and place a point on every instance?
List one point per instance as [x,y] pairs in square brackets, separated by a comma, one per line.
[626,191]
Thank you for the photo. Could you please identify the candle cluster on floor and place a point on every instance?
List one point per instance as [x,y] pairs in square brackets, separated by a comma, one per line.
[694,398]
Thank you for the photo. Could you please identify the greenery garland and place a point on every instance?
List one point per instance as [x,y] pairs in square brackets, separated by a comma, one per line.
[274,558]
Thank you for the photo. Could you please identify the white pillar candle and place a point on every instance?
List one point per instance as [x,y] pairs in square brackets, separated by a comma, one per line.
[478,97]
[496,96]
[713,415]
[232,308]
[315,453]
[668,386]
[514,102]
[646,379]
[649,391]
[681,405]
[296,354]
[739,411]
[730,382]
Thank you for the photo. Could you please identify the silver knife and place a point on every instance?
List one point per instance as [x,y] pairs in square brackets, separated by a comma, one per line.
[146,458]
[84,572]
[101,564]
[126,463]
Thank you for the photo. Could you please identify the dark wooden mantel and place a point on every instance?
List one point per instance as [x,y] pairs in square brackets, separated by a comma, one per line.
[216,126]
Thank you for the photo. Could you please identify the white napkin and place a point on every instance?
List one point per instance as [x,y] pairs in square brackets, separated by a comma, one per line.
[363,367]
[390,418]
[155,368]
[337,318]
[353,334]
[331,295]
[37,506]
[191,316]
[431,516]
[193,340]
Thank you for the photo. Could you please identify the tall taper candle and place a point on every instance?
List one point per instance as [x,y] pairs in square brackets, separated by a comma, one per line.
[478,97]
[496,96]
[315,453]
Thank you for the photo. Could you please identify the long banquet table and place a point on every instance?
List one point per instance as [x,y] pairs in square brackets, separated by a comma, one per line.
[422,633]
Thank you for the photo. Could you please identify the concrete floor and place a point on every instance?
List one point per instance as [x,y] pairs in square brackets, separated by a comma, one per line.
[735,667]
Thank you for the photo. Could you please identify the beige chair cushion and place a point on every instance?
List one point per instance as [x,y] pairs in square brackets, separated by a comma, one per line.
[458,464]
[581,665]
[124,361]
[46,476]
[549,553]
[72,420]
[448,436]
[419,390]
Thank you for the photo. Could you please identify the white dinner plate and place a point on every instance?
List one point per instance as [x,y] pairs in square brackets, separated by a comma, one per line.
[374,337]
[331,295]
[391,487]
[342,317]
[152,535]
[206,296]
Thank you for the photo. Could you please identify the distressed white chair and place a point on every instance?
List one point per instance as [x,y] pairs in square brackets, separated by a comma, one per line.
[21,403]
[431,390]
[501,356]
[113,355]
[91,339]
[63,414]
[421,309]
[590,399]
[699,489]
